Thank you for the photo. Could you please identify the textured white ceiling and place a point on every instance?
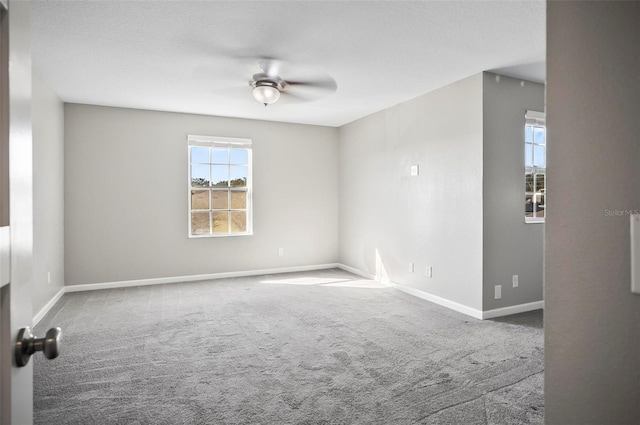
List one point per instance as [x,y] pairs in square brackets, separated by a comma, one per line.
[195,56]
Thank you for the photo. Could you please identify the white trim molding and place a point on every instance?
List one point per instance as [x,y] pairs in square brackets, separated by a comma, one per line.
[514,309]
[176,279]
[193,278]
[460,308]
[44,310]
[478,314]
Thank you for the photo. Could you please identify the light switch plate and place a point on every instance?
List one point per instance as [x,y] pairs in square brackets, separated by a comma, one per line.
[635,253]
[415,170]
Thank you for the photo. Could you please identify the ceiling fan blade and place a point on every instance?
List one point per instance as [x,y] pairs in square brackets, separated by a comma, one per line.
[223,70]
[234,92]
[310,90]
[271,66]
[326,83]
[288,97]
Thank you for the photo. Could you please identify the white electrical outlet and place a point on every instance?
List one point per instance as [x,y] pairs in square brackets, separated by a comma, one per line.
[281,252]
[48,277]
[411,268]
[498,292]
[429,271]
[514,280]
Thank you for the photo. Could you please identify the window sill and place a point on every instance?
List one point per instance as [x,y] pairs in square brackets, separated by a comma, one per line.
[532,220]
[224,235]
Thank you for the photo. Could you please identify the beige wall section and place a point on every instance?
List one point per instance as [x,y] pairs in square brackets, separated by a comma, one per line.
[48,193]
[592,320]
[126,196]
[434,219]
[511,247]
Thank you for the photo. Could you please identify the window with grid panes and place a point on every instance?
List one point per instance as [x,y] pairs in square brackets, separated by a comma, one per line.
[219,186]
[535,163]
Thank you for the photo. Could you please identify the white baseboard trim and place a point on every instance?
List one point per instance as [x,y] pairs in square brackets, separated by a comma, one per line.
[460,308]
[193,278]
[514,309]
[483,315]
[489,314]
[44,310]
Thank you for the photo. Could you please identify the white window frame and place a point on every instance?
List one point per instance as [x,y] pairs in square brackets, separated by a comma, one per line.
[221,142]
[535,118]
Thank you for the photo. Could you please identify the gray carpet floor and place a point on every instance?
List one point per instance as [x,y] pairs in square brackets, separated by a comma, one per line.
[322,347]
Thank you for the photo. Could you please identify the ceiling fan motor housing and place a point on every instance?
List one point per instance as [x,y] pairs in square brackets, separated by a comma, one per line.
[262,80]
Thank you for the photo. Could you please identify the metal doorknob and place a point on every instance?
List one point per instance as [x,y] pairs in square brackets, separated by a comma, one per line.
[27,344]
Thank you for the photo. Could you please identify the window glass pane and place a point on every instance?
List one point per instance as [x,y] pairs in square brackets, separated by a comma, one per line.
[220,175]
[220,155]
[535,160]
[220,222]
[540,183]
[199,154]
[539,156]
[220,199]
[534,205]
[199,199]
[239,156]
[538,135]
[238,221]
[199,175]
[528,155]
[528,133]
[238,200]
[540,209]
[238,176]
[528,206]
[528,183]
[200,223]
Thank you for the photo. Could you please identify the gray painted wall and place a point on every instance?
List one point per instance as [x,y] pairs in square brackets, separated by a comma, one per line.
[48,193]
[510,246]
[592,320]
[463,215]
[434,219]
[126,196]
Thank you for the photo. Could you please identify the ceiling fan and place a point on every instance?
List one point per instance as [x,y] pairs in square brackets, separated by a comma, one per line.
[268,85]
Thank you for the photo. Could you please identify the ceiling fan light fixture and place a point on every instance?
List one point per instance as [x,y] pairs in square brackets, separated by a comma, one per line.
[266,93]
